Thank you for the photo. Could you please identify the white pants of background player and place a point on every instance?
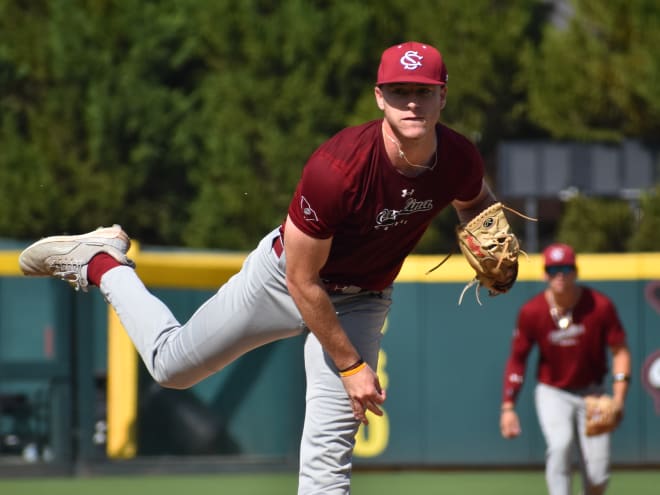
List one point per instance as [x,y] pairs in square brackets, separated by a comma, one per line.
[252,309]
[562,418]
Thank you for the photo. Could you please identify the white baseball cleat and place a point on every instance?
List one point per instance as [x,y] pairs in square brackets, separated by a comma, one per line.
[67,256]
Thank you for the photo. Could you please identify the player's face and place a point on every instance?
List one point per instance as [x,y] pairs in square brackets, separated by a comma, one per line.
[561,278]
[412,110]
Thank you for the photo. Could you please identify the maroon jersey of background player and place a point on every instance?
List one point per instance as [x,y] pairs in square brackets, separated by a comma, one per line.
[350,190]
[570,358]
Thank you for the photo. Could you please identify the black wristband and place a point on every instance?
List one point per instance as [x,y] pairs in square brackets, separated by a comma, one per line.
[352,366]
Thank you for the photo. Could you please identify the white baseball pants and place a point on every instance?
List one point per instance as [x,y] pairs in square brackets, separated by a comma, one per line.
[252,309]
[562,418]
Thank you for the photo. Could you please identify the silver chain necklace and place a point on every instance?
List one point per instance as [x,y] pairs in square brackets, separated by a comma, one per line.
[403,155]
[562,321]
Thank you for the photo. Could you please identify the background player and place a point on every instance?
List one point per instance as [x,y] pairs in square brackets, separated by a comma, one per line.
[365,198]
[573,326]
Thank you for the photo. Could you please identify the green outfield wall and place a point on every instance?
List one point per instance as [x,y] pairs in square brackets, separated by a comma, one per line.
[441,363]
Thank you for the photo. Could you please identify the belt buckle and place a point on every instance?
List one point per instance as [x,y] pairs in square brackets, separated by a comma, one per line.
[343,289]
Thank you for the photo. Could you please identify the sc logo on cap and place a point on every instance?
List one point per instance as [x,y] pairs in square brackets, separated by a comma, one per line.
[411,60]
[557,254]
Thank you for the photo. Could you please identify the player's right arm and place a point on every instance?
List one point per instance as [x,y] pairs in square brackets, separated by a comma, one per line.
[514,373]
[305,257]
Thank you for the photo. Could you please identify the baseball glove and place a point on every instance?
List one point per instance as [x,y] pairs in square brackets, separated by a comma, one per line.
[603,414]
[491,249]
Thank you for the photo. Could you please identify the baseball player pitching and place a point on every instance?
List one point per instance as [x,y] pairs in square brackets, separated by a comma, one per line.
[364,200]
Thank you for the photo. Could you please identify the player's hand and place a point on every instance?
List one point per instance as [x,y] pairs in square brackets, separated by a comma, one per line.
[365,393]
[509,424]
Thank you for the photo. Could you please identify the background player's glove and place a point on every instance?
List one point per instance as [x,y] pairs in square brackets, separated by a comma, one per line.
[603,414]
[491,249]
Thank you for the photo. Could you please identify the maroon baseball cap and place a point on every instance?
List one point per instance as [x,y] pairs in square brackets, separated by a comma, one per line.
[412,62]
[559,254]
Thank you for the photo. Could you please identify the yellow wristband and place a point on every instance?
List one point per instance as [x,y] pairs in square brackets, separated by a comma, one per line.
[353,371]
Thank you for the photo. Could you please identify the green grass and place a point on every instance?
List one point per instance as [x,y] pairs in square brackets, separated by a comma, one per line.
[364,483]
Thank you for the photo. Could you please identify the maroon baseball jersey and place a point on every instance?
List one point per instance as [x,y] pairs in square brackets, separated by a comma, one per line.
[350,191]
[570,358]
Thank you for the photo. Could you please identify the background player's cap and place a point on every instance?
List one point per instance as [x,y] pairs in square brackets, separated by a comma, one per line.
[412,62]
[559,254]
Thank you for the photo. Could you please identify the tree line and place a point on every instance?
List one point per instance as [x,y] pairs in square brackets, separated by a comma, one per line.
[189,121]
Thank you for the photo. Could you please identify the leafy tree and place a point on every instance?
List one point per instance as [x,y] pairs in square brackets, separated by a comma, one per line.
[93,106]
[646,236]
[593,75]
[280,87]
[594,225]
[188,121]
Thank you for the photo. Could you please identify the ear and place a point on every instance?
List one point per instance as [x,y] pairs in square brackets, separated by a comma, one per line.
[443,97]
[380,99]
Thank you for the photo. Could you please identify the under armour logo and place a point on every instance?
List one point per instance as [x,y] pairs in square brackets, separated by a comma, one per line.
[407,192]
[411,60]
